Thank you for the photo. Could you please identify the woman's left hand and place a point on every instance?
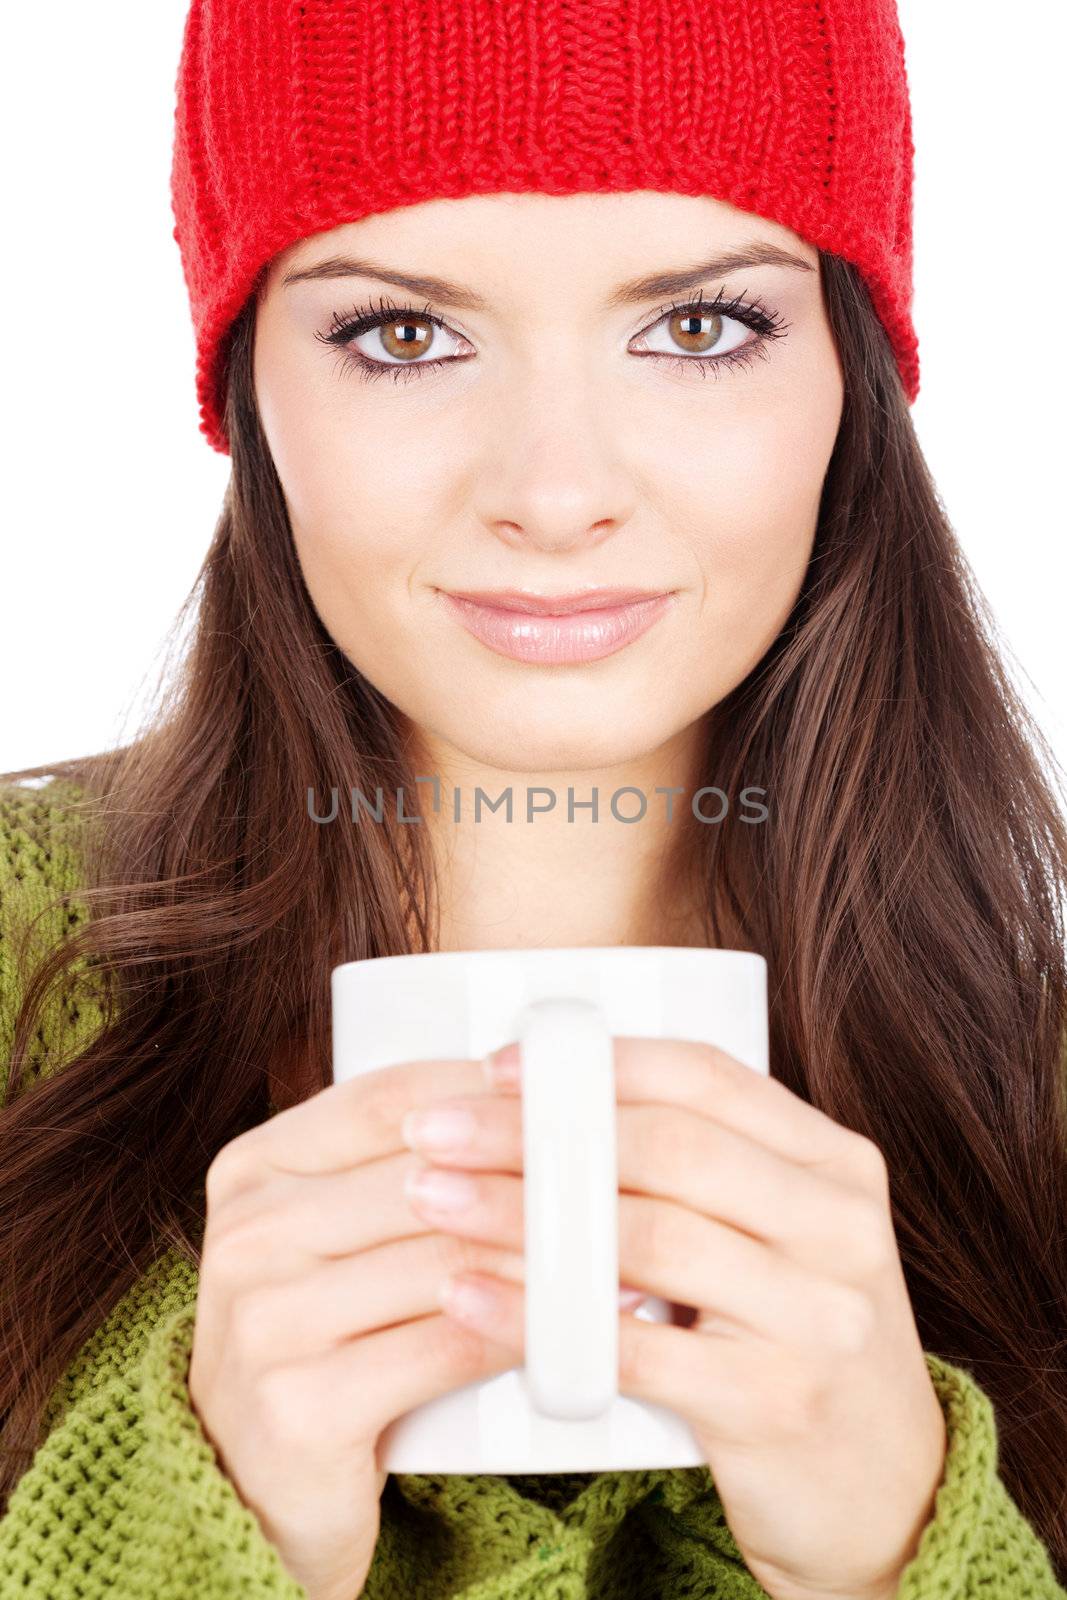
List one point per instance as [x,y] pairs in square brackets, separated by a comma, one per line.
[802,1376]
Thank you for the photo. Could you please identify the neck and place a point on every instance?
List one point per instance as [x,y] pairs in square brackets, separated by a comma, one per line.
[557,872]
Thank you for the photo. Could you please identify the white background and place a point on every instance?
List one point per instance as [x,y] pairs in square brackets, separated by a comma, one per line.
[111,493]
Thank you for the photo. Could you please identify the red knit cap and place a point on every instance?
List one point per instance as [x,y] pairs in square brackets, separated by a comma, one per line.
[293,118]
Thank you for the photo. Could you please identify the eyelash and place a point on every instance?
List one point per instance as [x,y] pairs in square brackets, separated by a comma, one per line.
[360,319]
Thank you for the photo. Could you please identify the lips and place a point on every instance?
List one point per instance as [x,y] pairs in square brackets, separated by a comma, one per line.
[561,605]
[597,624]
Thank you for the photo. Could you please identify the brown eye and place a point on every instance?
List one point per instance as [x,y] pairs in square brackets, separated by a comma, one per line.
[696,332]
[698,336]
[406,339]
[689,330]
[392,338]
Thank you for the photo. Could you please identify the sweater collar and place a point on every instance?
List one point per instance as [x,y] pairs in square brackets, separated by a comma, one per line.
[595,1511]
[480,1538]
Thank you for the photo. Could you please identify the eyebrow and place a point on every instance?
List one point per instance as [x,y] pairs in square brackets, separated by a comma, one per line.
[444,290]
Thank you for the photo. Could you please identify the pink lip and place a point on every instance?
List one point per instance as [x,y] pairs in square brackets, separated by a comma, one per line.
[556,605]
[587,631]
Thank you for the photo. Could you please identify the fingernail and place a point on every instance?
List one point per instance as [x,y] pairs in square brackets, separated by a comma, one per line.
[440,1190]
[437,1130]
[503,1066]
[467,1301]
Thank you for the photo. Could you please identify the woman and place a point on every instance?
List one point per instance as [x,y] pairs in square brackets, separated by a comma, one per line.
[666,347]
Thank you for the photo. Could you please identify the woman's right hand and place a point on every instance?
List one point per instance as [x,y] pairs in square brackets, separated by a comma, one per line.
[317,1318]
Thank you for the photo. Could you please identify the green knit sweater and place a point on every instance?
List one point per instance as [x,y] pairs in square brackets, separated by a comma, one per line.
[126,1498]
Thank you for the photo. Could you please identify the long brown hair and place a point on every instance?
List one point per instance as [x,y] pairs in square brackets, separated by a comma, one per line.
[909,891]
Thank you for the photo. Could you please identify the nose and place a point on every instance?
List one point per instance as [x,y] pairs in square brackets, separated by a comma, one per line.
[559,479]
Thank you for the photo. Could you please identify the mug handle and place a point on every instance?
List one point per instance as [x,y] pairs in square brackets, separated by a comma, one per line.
[570,1201]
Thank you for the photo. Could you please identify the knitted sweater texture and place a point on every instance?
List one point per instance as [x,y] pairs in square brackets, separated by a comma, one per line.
[126,1498]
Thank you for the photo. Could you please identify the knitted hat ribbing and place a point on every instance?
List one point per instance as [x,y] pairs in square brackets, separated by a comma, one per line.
[292,118]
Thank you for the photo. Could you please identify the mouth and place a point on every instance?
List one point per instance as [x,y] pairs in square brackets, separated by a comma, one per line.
[558,630]
[555,605]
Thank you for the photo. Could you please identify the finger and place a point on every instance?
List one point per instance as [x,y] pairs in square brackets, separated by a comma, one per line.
[269,1325]
[700,1076]
[712,1379]
[278,1230]
[677,1154]
[479,1299]
[340,1126]
[483,1206]
[737,1282]
[711,1171]
[672,1251]
[360,1386]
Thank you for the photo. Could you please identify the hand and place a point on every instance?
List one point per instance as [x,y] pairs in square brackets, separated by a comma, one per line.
[802,1376]
[317,1317]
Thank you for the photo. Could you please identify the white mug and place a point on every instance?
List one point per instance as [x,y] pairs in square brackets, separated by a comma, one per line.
[562,1411]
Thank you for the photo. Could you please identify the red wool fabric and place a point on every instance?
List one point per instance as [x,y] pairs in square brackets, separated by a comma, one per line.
[292,118]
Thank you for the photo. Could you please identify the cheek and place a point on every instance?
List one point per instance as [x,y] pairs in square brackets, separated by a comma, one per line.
[363,510]
[756,528]
[342,451]
[355,568]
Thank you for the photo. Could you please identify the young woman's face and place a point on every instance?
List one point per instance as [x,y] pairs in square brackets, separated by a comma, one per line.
[568,436]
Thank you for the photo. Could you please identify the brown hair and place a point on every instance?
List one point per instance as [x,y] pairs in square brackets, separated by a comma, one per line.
[911,879]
